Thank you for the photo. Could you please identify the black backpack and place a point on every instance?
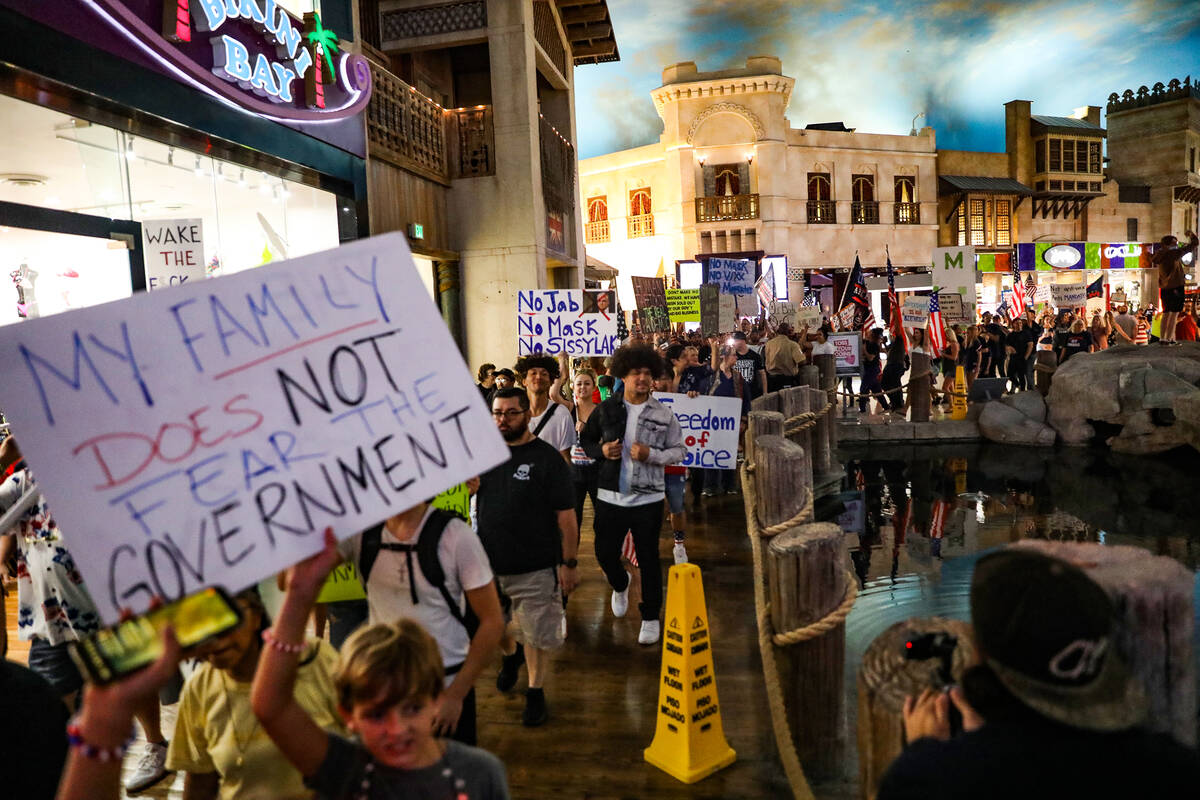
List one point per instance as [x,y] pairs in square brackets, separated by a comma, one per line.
[426,549]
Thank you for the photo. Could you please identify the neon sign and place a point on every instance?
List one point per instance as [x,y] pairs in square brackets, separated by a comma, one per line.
[247,54]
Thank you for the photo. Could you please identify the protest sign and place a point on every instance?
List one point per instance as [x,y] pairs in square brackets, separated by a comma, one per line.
[734,276]
[1068,295]
[710,428]
[554,321]
[953,311]
[915,311]
[847,347]
[456,500]
[810,316]
[727,313]
[1043,294]
[781,312]
[342,584]
[651,298]
[710,309]
[208,434]
[174,251]
[683,305]
[846,317]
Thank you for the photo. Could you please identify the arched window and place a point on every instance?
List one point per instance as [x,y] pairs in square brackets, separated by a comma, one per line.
[906,189]
[639,202]
[597,208]
[819,187]
[863,188]
[728,181]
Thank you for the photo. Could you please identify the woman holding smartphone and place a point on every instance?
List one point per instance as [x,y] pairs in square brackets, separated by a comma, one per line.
[218,741]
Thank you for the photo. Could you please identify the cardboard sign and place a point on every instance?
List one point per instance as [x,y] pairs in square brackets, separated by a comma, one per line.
[456,500]
[847,351]
[683,305]
[727,313]
[710,309]
[174,251]
[651,298]
[810,316]
[847,316]
[710,428]
[734,276]
[210,433]
[780,312]
[554,321]
[915,312]
[342,584]
[1044,295]
[953,311]
[1069,295]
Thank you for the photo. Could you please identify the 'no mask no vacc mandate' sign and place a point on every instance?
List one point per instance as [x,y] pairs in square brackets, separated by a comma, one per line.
[207,434]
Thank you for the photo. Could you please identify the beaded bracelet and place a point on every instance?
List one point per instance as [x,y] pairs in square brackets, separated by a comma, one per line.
[269,637]
[101,754]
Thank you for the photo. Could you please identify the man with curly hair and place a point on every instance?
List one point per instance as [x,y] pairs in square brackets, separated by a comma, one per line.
[633,437]
[548,421]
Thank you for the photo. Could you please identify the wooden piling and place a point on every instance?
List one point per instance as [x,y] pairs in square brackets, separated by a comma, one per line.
[759,424]
[817,400]
[885,679]
[794,402]
[779,479]
[827,367]
[920,381]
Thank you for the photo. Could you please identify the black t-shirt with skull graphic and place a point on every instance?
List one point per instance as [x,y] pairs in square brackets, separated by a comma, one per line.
[518,505]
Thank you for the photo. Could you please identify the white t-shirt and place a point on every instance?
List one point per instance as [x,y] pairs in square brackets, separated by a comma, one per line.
[559,432]
[825,349]
[389,596]
[624,497]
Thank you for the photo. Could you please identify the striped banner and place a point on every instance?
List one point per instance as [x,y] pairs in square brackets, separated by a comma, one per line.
[1049,256]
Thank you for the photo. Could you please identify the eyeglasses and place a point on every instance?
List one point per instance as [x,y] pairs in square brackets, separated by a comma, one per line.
[512,413]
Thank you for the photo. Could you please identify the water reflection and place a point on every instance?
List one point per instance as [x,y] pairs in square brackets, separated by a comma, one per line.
[918,518]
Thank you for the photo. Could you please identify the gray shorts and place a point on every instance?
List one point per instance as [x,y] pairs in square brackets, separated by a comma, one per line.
[537,607]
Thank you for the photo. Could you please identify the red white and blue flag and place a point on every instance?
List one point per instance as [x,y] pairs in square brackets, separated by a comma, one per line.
[856,296]
[1096,288]
[937,331]
[895,319]
[1017,308]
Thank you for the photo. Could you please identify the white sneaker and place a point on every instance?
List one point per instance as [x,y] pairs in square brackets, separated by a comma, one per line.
[564,625]
[651,630]
[620,600]
[151,768]
[680,553]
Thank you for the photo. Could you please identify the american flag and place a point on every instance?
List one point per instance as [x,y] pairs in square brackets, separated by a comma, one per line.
[628,551]
[1018,293]
[1030,288]
[937,331]
[810,299]
[896,321]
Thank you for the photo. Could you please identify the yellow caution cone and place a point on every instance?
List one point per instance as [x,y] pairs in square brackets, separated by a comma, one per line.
[689,740]
[958,395]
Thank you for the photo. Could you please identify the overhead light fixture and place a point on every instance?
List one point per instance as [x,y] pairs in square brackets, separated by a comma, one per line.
[702,159]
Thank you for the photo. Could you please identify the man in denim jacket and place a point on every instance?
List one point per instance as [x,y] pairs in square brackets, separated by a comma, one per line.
[633,436]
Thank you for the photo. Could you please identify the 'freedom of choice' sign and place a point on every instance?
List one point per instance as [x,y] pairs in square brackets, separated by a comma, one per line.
[207,434]
[554,321]
[710,428]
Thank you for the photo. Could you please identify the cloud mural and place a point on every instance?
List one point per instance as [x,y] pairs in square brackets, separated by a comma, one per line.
[874,65]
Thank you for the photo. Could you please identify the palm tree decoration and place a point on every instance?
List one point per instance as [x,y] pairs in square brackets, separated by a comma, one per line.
[324,44]
[177,24]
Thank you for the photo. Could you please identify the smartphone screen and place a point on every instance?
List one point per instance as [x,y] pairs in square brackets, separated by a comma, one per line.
[605,393]
[128,646]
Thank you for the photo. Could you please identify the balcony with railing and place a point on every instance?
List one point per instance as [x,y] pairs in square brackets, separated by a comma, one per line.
[639,225]
[404,127]
[728,207]
[596,232]
[906,213]
[822,212]
[865,212]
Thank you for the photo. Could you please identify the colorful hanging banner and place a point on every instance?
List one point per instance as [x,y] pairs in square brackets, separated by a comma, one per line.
[1048,256]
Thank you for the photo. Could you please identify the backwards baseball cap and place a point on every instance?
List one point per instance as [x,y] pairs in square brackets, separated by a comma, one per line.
[1045,630]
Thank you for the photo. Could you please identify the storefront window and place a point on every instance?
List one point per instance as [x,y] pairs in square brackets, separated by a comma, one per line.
[243,217]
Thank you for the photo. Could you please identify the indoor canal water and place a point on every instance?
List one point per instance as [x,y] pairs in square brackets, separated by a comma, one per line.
[918,518]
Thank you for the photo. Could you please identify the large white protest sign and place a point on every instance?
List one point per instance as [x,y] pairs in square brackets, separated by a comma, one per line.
[809,315]
[710,428]
[554,321]
[847,347]
[733,275]
[781,312]
[1068,295]
[915,312]
[954,271]
[727,313]
[207,434]
[174,251]
[1043,294]
[953,311]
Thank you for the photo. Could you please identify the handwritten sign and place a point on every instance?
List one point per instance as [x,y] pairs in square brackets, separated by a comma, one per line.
[954,310]
[710,428]
[915,312]
[554,321]
[727,312]
[174,251]
[734,276]
[456,500]
[342,584]
[1069,295]
[1043,294]
[210,433]
[710,309]
[781,312]
[683,305]
[847,348]
[651,298]
[810,316]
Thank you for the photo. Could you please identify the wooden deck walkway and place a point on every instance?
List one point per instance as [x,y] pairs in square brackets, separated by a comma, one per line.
[603,687]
